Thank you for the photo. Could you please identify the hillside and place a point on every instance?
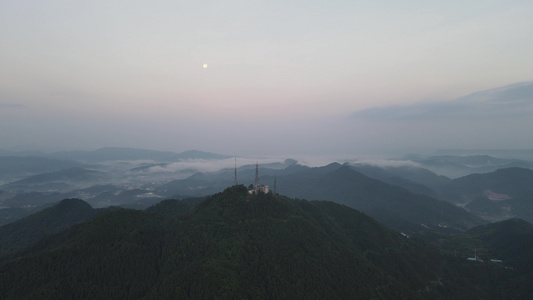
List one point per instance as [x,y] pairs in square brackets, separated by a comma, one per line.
[499,195]
[455,166]
[512,182]
[395,207]
[506,244]
[511,241]
[235,245]
[414,179]
[28,230]
[17,167]
[412,173]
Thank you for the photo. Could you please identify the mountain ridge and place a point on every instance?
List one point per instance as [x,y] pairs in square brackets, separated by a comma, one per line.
[125,153]
[235,244]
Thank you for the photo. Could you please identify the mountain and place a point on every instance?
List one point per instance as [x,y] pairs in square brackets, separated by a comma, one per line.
[70,174]
[507,244]
[32,200]
[63,179]
[17,205]
[119,153]
[520,154]
[173,207]
[396,207]
[510,182]
[202,184]
[28,230]
[17,167]
[11,214]
[502,194]
[414,179]
[510,241]
[455,166]
[236,245]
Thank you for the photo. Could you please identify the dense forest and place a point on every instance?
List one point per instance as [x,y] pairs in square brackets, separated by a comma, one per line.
[237,245]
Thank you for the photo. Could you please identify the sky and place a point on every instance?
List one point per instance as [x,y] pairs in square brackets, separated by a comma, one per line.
[266,77]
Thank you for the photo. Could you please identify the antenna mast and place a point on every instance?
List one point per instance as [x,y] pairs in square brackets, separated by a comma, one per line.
[235,180]
[256,174]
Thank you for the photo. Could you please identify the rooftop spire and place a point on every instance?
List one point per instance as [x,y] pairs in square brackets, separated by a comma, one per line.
[256,174]
[235,180]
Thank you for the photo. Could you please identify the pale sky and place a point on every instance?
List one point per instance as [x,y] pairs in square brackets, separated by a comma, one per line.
[281,76]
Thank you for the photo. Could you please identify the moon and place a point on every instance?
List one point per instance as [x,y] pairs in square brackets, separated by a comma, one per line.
[204,66]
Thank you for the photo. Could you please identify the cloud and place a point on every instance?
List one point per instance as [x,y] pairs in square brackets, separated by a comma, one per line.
[510,101]
[383,163]
[203,165]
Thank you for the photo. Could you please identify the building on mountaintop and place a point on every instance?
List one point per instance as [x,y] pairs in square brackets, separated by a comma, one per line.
[257,188]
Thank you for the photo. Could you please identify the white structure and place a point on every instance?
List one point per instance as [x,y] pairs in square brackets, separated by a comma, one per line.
[258,187]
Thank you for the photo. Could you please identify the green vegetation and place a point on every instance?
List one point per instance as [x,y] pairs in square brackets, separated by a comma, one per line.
[509,242]
[393,206]
[234,245]
[24,232]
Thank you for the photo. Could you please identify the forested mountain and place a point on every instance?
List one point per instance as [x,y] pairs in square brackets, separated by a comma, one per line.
[202,184]
[414,179]
[461,165]
[412,173]
[11,214]
[396,207]
[28,230]
[512,182]
[499,195]
[510,241]
[507,244]
[236,245]
[173,207]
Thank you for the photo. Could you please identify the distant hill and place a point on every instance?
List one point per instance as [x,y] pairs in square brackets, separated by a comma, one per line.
[118,153]
[520,154]
[11,214]
[28,230]
[509,181]
[70,174]
[394,206]
[455,166]
[502,194]
[33,200]
[510,241]
[414,179]
[98,196]
[17,167]
[60,180]
[202,184]
[507,244]
[235,245]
